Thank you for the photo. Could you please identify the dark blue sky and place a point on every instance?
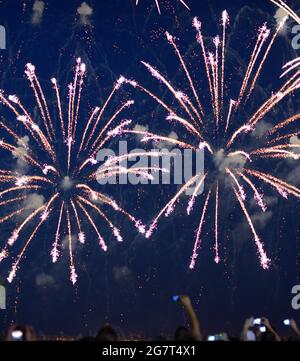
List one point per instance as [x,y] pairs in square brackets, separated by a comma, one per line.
[131,286]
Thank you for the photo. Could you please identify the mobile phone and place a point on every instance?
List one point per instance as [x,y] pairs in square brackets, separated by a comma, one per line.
[219,337]
[257,321]
[17,335]
[175,298]
[287,322]
[262,329]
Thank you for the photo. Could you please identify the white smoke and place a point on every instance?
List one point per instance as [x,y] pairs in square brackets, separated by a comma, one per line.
[294,176]
[279,15]
[140,128]
[260,219]
[85,12]
[75,242]
[165,144]
[20,152]
[261,129]
[38,11]
[67,183]
[294,140]
[34,201]
[122,273]
[222,161]
[268,200]
[44,280]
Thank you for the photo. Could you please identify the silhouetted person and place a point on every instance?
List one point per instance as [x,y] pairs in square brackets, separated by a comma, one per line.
[107,333]
[270,334]
[249,332]
[20,333]
[182,333]
[295,328]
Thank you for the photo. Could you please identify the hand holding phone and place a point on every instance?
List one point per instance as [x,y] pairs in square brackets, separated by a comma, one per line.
[257,321]
[17,335]
[219,337]
[262,329]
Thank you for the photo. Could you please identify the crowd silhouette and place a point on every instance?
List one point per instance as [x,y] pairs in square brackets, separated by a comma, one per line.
[254,329]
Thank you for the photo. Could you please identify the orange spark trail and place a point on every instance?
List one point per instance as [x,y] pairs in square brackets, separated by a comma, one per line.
[239,186]
[95,111]
[178,95]
[94,146]
[281,186]
[215,66]
[199,230]
[262,37]
[62,123]
[192,199]
[225,21]
[44,217]
[257,196]
[197,25]
[115,88]
[81,235]
[169,207]
[172,42]
[264,260]
[284,123]
[257,74]
[115,230]
[30,73]
[15,265]
[216,247]
[55,251]
[73,275]
[100,239]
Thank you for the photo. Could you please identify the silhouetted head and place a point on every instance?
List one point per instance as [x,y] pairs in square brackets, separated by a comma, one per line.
[267,336]
[21,333]
[107,333]
[183,334]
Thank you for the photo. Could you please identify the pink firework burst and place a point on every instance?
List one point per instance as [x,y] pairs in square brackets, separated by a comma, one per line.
[60,155]
[235,161]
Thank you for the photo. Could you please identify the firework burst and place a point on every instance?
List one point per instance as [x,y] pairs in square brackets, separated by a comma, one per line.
[61,158]
[213,127]
[158,6]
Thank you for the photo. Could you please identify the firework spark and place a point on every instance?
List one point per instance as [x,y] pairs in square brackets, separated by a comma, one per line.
[158,6]
[62,165]
[233,162]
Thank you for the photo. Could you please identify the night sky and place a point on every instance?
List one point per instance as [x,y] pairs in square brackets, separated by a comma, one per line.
[131,285]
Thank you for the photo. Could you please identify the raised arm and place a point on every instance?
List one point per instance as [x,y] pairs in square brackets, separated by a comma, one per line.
[195,325]
[247,324]
[295,328]
[266,322]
